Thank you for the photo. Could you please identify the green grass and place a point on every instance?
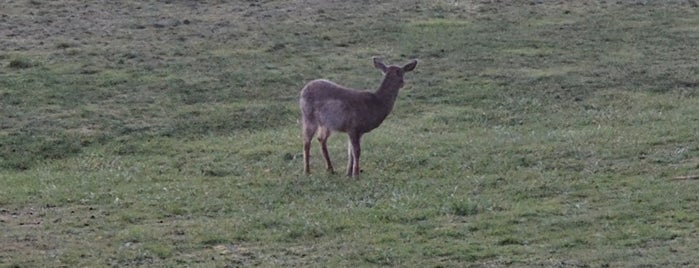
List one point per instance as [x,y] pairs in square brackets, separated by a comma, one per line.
[531,134]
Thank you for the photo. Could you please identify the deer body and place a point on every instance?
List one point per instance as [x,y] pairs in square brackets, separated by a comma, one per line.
[327,107]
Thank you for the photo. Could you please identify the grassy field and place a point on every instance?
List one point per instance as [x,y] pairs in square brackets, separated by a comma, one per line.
[532,133]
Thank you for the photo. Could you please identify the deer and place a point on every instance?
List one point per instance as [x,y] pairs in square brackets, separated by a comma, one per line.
[327,107]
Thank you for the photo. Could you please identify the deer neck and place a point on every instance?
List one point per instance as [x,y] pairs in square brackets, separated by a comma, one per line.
[388,91]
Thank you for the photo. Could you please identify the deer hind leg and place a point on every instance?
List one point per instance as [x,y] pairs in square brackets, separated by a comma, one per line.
[323,136]
[309,130]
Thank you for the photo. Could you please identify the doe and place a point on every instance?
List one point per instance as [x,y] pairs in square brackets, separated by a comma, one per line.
[328,107]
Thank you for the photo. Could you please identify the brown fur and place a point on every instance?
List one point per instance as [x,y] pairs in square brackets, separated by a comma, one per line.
[327,107]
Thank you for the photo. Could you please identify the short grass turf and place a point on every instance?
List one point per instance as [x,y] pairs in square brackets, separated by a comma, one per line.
[532,133]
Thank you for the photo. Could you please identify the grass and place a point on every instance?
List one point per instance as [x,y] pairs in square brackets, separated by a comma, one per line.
[530,134]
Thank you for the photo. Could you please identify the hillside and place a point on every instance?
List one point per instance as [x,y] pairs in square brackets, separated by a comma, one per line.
[531,133]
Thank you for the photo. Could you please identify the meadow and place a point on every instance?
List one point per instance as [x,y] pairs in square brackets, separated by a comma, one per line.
[532,133]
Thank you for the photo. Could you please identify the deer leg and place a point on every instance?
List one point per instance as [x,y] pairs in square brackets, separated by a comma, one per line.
[350,158]
[356,151]
[308,131]
[323,139]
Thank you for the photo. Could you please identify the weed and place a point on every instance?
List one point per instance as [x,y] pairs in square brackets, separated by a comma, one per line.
[21,63]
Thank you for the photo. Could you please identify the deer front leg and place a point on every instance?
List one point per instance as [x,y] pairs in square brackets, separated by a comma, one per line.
[350,158]
[356,151]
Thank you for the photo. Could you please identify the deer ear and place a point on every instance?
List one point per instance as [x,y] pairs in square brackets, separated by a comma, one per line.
[378,63]
[410,66]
